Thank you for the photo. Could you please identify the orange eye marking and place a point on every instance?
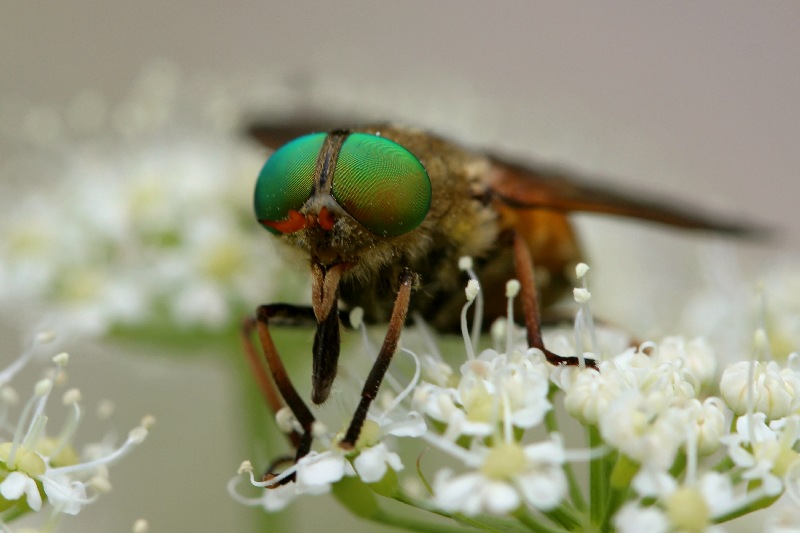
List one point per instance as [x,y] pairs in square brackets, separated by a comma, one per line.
[325,219]
[295,222]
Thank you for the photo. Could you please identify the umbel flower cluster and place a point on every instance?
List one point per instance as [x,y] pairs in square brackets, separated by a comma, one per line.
[150,222]
[656,439]
[41,471]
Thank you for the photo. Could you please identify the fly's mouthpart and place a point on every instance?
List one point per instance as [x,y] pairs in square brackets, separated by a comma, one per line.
[325,286]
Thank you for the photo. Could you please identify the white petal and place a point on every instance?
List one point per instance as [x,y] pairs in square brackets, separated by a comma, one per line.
[413,426]
[544,489]
[16,484]
[315,472]
[453,493]
[530,416]
[13,486]
[634,519]
[69,496]
[279,497]
[717,491]
[371,463]
[500,498]
[649,482]
[741,457]
[545,452]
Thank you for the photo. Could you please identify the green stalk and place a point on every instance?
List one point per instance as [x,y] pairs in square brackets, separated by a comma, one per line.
[598,478]
[619,483]
[575,494]
[533,524]
[411,524]
[755,506]
[565,516]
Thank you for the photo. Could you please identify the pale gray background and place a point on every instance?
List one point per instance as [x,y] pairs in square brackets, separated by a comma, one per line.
[696,99]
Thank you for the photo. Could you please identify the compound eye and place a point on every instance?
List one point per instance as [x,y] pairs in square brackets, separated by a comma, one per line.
[285,183]
[381,185]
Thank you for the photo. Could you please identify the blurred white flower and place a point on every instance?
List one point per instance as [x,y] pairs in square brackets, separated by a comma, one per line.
[132,221]
[37,468]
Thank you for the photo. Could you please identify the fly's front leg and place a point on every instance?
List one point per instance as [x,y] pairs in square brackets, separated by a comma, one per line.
[407,281]
[523,263]
[265,383]
[294,315]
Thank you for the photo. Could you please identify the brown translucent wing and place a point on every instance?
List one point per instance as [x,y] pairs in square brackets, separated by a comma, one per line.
[274,133]
[523,187]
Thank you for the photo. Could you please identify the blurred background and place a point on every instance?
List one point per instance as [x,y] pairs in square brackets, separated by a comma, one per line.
[695,101]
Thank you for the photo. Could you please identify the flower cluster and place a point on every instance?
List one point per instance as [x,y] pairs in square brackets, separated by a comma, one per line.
[667,444]
[150,220]
[39,467]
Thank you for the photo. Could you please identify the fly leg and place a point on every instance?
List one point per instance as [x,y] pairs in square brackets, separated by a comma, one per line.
[523,263]
[407,280]
[272,378]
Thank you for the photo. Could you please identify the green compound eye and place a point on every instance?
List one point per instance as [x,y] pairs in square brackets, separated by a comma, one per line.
[287,179]
[381,185]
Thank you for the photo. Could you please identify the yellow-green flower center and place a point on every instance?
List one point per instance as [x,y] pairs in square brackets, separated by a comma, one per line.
[479,404]
[687,510]
[25,460]
[66,455]
[785,459]
[504,461]
[370,435]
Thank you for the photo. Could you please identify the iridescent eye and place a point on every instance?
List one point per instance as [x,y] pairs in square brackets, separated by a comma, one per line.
[287,180]
[381,185]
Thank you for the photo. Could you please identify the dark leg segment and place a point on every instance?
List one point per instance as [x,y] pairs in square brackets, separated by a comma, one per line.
[381,365]
[523,263]
[265,383]
[281,378]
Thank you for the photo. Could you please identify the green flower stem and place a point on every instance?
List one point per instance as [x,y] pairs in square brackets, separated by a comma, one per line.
[484,522]
[755,506]
[598,478]
[565,516]
[575,494]
[404,522]
[533,524]
[619,483]
[13,513]
[678,466]
[489,523]
[359,499]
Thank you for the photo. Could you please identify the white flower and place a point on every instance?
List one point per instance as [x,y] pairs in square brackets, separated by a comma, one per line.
[590,393]
[313,474]
[66,495]
[473,493]
[508,475]
[764,452]
[643,429]
[768,392]
[143,221]
[696,356]
[30,456]
[709,419]
[695,503]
